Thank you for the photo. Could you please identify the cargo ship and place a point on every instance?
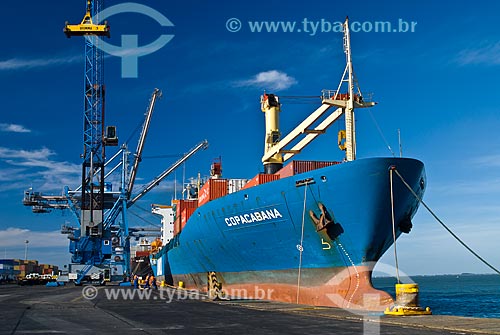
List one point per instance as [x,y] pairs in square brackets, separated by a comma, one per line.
[308,232]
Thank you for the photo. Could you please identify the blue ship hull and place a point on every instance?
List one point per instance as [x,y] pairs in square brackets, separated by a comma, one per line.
[310,238]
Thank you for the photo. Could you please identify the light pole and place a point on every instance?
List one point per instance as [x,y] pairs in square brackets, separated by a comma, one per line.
[26,250]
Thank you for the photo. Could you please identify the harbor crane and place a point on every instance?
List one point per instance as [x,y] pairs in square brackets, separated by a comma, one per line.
[102,241]
[94,254]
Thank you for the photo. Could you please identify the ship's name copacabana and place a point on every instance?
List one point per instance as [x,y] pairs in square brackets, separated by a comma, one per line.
[257,216]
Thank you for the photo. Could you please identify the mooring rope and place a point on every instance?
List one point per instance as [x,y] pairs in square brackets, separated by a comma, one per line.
[300,246]
[394,226]
[444,226]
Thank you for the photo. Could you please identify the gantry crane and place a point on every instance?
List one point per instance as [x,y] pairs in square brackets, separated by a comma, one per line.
[98,254]
[100,244]
[97,245]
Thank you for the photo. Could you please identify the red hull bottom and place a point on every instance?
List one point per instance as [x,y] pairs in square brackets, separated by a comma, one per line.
[348,288]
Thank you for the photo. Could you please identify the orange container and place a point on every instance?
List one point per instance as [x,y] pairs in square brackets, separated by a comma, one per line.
[213,189]
[261,178]
[141,253]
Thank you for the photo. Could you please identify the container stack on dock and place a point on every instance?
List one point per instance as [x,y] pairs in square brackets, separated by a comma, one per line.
[11,269]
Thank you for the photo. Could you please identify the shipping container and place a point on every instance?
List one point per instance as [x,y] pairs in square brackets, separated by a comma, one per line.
[261,178]
[7,262]
[177,225]
[322,164]
[296,167]
[186,213]
[180,205]
[234,185]
[139,253]
[213,189]
[48,271]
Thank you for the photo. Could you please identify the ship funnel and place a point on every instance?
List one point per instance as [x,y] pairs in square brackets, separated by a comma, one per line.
[271,107]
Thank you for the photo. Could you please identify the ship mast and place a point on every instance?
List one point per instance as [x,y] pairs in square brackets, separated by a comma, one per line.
[315,124]
[349,112]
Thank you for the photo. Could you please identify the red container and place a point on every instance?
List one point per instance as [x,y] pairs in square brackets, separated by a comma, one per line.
[320,165]
[186,213]
[296,167]
[183,204]
[141,253]
[261,178]
[213,189]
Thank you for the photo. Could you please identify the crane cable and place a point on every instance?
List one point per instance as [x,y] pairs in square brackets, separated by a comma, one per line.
[444,226]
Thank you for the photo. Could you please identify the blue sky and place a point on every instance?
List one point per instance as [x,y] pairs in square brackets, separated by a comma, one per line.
[438,84]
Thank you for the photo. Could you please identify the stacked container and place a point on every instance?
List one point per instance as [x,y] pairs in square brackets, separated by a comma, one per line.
[261,178]
[213,189]
[183,210]
[296,167]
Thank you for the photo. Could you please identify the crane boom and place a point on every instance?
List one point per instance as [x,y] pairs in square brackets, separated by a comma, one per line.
[113,213]
[202,145]
[140,145]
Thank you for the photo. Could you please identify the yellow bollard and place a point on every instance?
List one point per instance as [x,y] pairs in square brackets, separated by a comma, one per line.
[407,295]
[181,284]
[407,302]
[162,284]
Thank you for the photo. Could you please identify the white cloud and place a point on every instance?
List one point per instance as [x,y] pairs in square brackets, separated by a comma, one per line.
[36,168]
[13,128]
[28,64]
[272,80]
[469,187]
[489,55]
[15,237]
[490,161]
[26,154]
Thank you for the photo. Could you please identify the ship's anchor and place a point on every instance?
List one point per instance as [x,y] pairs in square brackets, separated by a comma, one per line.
[326,222]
